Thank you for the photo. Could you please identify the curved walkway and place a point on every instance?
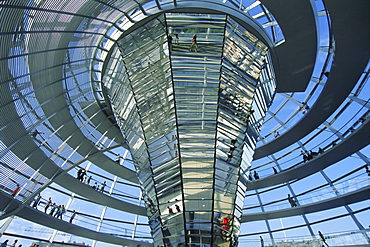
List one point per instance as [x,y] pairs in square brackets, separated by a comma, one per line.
[39,217]
[52,100]
[342,200]
[8,205]
[22,145]
[72,184]
[351,57]
[295,58]
[351,144]
[59,176]
[84,191]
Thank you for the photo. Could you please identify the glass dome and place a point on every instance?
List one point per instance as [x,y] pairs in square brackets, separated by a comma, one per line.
[65,137]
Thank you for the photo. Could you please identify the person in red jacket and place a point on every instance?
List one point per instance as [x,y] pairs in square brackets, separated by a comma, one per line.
[15,191]
[225,222]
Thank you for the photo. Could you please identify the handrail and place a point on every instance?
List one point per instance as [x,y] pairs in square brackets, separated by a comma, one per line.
[345,238]
[307,197]
[331,140]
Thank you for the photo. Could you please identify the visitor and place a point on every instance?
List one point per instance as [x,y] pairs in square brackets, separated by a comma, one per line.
[82,176]
[194,43]
[255,175]
[72,216]
[79,174]
[229,157]
[61,211]
[304,108]
[5,243]
[58,209]
[15,191]
[48,204]
[274,169]
[169,38]
[36,201]
[292,201]
[225,222]
[35,133]
[88,180]
[102,186]
[14,243]
[262,242]
[323,239]
[313,154]
[367,170]
[118,159]
[53,208]
[225,227]
[305,157]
